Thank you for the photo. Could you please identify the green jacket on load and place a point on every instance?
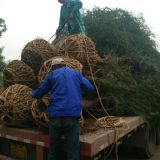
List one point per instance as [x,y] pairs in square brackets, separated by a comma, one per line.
[70,15]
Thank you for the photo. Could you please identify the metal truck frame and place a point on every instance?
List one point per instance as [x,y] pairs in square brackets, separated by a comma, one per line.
[29,144]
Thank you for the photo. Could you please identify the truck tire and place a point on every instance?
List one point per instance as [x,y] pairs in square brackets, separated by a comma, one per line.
[142,143]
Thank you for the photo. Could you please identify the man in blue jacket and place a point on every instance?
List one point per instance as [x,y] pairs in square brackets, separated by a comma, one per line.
[70,15]
[66,86]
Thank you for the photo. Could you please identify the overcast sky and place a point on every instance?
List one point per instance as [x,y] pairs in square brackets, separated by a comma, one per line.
[29,19]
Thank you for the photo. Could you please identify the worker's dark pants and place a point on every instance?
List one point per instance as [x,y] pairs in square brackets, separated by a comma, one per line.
[69,127]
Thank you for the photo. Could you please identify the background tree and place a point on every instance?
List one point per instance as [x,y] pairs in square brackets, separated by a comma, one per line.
[3,28]
[119,31]
[2,63]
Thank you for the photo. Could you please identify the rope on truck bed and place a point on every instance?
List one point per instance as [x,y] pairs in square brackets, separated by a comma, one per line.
[104,121]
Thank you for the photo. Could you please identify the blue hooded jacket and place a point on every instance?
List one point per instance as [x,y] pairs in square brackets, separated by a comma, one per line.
[75,23]
[66,86]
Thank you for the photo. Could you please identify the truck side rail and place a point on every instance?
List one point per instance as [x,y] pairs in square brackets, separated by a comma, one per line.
[91,143]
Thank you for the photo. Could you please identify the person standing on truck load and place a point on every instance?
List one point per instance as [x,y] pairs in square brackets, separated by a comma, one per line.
[66,86]
[70,15]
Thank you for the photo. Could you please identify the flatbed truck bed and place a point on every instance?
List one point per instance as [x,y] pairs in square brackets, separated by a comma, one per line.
[29,144]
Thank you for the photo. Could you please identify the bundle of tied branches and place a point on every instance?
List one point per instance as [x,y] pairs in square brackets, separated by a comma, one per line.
[36,52]
[16,104]
[1,90]
[17,72]
[79,47]
[47,67]
[40,113]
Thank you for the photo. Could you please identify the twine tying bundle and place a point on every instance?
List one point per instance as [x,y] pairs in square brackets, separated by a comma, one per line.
[76,46]
[36,52]
[17,72]
[81,121]
[16,106]
[47,67]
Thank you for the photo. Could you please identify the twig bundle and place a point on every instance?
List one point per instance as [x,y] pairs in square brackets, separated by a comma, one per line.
[47,67]
[1,90]
[17,72]
[40,113]
[79,47]
[36,52]
[16,106]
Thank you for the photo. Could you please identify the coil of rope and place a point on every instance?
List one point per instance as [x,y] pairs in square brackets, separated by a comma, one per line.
[109,122]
